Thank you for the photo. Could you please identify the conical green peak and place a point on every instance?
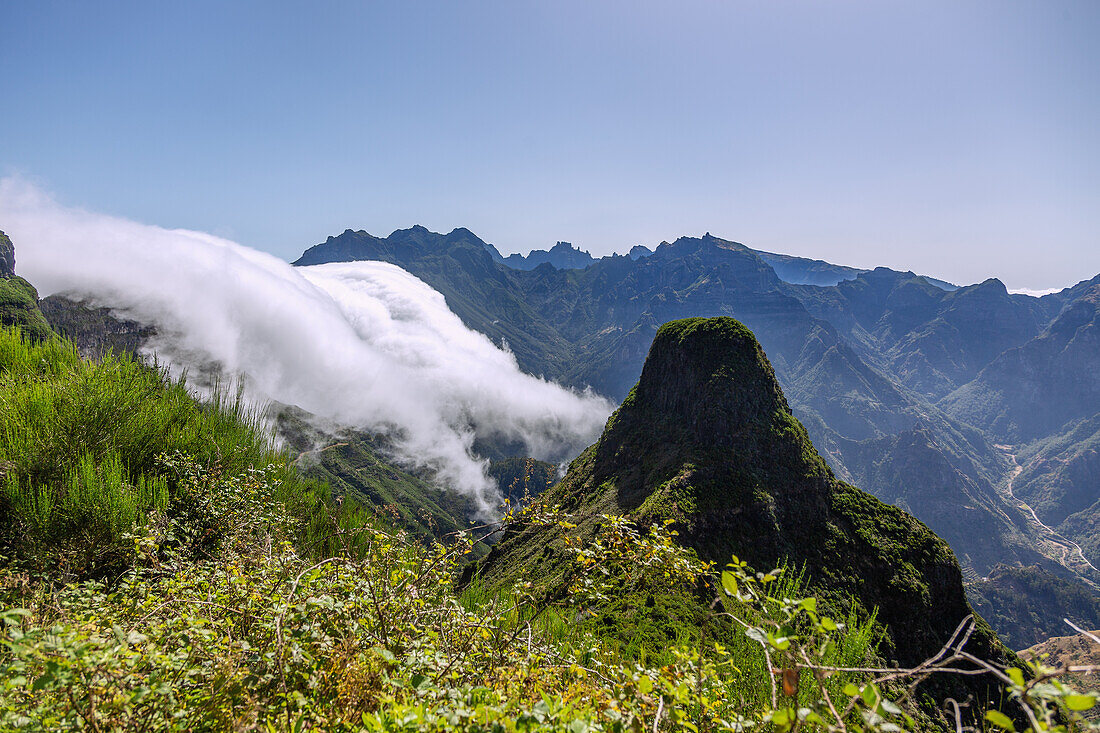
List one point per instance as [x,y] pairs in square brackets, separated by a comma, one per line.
[711,375]
[707,397]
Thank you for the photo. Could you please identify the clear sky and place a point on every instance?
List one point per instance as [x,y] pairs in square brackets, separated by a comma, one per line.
[960,139]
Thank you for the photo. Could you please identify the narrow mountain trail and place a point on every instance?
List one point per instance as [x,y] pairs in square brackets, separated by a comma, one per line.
[1066,546]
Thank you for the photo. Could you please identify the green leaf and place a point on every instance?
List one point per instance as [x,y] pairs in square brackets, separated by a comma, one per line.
[645,685]
[871,696]
[729,583]
[756,635]
[889,707]
[1000,720]
[1079,702]
[1016,676]
[851,690]
[809,716]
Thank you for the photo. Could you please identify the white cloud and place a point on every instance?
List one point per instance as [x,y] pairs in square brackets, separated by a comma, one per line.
[1034,293]
[365,344]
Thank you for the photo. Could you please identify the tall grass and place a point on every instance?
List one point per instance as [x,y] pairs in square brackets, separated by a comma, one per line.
[79,447]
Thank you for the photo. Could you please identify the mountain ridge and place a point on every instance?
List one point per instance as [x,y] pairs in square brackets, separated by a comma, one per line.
[864,363]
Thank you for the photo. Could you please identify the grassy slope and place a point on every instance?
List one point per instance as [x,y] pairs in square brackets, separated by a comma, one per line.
[221,618]
[93,450]
[82,447]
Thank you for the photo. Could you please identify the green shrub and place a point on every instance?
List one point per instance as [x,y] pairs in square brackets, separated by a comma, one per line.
[85,454]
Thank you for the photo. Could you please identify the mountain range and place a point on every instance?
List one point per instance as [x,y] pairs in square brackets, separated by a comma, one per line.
[704,446]
[923,393]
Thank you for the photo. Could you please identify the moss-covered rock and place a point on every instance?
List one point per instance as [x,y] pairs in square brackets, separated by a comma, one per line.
[18,298]
[19,307]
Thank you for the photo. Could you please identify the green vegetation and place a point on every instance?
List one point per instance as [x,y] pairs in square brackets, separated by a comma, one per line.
[86,453]
[19,307]
[7,256]
[522,477]
[354,467]
[706,440]
[161,568]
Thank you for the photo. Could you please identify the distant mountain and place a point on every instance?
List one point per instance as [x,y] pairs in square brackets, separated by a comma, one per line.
[1036,387]
[94,329]
[931,340]
[803,271]
[1031,603]
[864,363]
[789,268]
[562,256]
[1078,650]
[706,439]
[355,466]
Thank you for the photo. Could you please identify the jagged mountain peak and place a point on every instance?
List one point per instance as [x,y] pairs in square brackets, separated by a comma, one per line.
[566,247]
[706,239]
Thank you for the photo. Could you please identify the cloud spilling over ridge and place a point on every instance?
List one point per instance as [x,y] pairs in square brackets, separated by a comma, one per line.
[364,344]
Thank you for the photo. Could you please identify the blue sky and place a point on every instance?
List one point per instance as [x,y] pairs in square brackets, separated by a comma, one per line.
[957,139]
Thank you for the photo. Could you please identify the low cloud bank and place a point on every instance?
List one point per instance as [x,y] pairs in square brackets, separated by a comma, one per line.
[1034,293]
[364,344]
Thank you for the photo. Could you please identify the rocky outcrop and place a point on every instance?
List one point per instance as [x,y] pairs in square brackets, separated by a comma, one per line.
[7,257]
[18,298]
[707,439]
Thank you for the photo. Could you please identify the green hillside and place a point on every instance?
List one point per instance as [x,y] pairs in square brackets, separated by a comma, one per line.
[89,449]
[18,298]
[162,568]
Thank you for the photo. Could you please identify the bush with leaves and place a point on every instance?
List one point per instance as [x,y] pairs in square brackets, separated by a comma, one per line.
[244,632]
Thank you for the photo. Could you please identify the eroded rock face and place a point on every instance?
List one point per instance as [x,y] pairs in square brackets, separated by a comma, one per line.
[7,257]
[1035,390]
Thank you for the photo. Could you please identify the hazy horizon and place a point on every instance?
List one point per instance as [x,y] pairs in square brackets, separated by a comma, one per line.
[953,140]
